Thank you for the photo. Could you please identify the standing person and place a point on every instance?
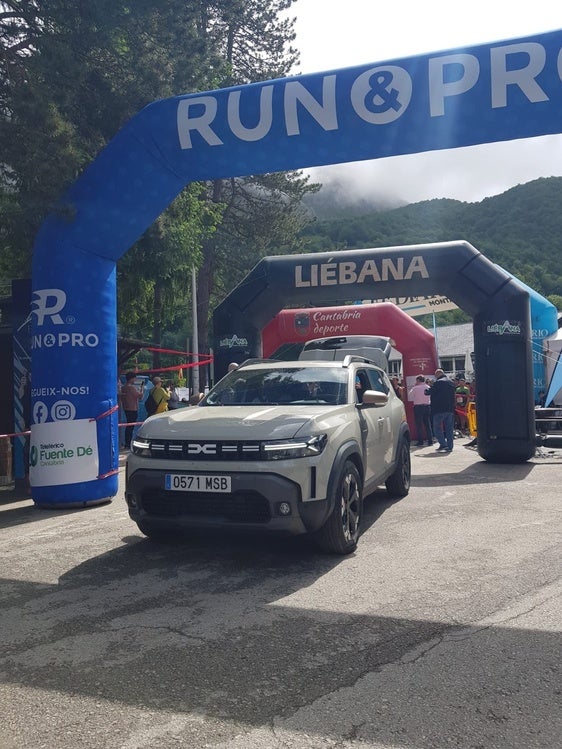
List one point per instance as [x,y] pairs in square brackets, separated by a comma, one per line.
[397,387]
[160,394]
[422,413]
[462,396]
[130,396]
[539,401]
[174,401]
[442,402]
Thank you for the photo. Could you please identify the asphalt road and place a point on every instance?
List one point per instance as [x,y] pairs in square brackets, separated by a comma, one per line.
[443,630]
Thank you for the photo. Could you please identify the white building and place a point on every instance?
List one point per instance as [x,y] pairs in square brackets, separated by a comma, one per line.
[455,349]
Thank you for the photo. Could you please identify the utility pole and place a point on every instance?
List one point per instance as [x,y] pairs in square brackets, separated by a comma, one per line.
[195,337]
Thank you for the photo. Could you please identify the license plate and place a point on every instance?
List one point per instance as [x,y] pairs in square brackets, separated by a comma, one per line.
[189,482]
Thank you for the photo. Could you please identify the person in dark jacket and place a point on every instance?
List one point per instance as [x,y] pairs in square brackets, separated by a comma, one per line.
[442,404]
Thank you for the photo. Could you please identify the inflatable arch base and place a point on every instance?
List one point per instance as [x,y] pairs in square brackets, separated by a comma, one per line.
[74,446]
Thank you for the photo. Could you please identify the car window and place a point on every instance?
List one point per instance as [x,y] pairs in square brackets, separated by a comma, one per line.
[361,384]
[377,381]
[280,386]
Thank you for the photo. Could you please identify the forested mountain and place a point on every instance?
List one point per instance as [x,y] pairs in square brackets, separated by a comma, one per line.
[521,230]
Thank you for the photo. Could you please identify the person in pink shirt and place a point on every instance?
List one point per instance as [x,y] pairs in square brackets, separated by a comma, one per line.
[130,396]
[422,414]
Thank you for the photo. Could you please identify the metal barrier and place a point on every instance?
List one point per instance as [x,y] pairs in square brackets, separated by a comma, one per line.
[548,420]
[471,419]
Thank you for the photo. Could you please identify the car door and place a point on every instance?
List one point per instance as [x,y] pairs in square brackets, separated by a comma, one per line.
[385,419]
[372,424]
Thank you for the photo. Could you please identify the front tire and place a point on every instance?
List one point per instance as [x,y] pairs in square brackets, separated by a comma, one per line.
[340,533]
[398,483]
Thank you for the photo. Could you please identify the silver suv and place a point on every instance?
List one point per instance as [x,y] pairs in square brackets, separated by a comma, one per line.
[290,447]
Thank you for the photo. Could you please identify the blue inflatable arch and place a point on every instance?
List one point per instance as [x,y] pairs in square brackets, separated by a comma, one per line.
[499,91]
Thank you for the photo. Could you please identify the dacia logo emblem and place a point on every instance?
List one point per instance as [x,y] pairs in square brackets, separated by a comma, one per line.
[196,449]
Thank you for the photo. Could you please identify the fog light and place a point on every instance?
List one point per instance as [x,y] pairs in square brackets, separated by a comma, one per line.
[131,500]
[284,508]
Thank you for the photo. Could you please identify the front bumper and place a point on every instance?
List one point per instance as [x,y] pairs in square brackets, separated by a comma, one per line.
[258,501]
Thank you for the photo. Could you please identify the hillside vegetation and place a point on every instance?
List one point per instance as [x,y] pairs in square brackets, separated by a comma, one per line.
[521,230]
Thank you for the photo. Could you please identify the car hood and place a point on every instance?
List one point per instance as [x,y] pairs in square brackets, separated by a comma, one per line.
[238,422]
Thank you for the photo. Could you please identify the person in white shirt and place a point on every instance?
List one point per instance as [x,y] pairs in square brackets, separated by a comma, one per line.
[422,413]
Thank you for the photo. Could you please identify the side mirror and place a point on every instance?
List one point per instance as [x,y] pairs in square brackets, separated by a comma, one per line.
[373,398]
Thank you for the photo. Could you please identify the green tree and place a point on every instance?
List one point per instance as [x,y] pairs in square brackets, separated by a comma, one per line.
[154,290]
[556,300]
[262,214]
[74,73]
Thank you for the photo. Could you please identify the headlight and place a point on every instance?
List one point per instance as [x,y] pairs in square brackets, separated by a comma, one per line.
[141,446]
[295,448]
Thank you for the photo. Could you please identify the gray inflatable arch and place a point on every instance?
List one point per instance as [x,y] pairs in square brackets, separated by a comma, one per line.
[500,309]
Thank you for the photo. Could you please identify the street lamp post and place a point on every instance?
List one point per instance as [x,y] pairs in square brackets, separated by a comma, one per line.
[195,378]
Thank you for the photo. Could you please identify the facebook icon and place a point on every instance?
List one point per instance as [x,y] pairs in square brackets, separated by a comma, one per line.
[40,413]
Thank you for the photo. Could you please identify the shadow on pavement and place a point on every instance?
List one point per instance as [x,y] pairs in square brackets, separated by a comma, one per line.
[219,631]
[476,473]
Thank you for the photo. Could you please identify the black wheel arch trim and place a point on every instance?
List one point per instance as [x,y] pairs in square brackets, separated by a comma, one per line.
[348,451]
[403,435]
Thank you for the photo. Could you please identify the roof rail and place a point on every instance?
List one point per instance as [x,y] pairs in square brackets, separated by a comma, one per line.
[354,358]
[257,360]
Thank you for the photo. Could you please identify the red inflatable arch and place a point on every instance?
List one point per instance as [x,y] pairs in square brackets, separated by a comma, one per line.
[415,343]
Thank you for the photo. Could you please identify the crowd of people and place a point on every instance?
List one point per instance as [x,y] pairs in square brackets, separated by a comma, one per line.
[165,395]
[440,408]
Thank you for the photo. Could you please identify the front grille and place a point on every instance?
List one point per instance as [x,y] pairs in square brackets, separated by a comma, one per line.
[205,450]
[238,507]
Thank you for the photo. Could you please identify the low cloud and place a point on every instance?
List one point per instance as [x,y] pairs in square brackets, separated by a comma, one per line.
[467,174]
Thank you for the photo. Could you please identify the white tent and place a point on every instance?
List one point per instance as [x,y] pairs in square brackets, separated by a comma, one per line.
[552,346]
[468,366]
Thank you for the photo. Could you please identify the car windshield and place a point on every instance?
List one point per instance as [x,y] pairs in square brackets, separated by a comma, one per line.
[281,386]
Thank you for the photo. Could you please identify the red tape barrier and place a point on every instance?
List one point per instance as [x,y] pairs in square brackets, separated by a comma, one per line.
[16,434]
[25,434]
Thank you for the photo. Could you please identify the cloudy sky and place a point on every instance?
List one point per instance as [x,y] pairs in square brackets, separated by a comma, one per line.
[341,33]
